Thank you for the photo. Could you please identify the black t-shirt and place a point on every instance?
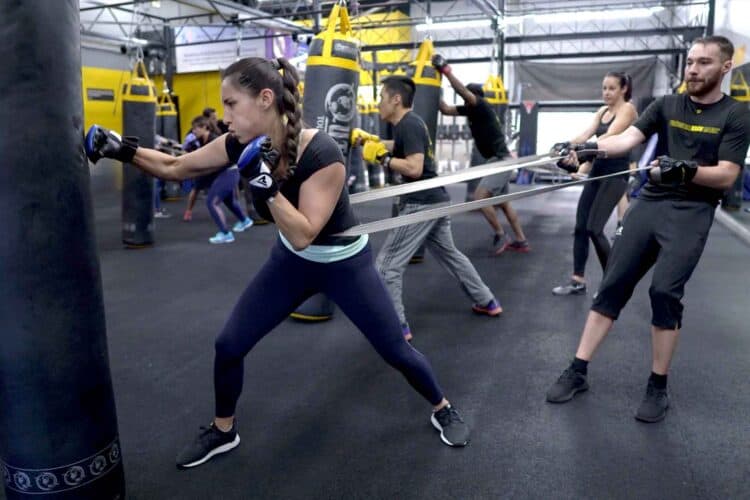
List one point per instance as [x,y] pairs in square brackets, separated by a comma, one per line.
[485,128]
[705,133]
[320,152]
[410,136]
[604,166]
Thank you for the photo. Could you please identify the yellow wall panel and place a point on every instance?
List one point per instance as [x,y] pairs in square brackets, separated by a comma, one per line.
[97,81]
[197,91]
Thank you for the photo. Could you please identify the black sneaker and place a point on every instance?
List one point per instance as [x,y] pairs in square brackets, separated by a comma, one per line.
[654,405]
[209,442]
[453,429]
[569,383]
[572,288]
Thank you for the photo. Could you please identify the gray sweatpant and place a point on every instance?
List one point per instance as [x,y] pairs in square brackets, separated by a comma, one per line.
[402,242]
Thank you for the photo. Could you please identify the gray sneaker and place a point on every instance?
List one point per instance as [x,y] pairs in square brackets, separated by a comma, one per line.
[572,288]
[568,385]
[453,429]
[654,405]
[209,442]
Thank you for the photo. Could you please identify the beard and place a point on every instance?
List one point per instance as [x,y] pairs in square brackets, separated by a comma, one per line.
[699,88]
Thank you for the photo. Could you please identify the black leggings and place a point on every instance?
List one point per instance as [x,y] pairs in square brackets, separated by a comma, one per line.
[282,284]
[594,208]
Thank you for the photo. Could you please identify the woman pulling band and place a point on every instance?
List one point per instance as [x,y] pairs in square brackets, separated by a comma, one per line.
[598,198]
[300,185]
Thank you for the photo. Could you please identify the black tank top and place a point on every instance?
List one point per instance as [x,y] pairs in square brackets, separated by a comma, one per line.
[320,152]
[604,166]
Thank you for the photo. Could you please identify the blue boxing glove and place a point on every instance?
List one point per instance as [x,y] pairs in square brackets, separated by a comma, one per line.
[103,143]
[263,186]
[249,161]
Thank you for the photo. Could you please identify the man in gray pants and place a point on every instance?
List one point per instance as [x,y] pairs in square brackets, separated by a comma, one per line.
[410,154]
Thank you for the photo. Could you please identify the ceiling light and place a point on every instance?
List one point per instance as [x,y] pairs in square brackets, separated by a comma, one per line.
[586,15]
[453,25]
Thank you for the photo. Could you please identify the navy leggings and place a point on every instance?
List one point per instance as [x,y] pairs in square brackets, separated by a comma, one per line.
[223,189]
[282,284]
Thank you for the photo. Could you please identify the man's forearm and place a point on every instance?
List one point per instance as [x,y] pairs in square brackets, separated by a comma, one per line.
[403,167]
[717,177]
[621,144]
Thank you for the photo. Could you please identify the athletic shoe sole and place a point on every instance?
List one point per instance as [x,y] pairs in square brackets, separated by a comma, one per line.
[494,313]
[652,420]
[439,427]
[501,250]
[519,249]
[582,291]
[216,451]
[567,397]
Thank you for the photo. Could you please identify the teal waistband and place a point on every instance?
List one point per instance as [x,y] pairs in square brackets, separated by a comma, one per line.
[325,253]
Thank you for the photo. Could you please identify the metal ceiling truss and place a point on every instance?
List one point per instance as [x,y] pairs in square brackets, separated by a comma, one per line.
[667,33]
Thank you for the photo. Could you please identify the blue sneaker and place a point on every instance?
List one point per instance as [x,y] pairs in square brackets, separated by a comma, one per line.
[242,225]
[220,237]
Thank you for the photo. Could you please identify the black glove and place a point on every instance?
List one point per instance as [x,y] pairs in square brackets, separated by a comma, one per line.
[568,167]
[103,143]
[671,172]
[263,186]
[441,64]
[561,148]
[586,151]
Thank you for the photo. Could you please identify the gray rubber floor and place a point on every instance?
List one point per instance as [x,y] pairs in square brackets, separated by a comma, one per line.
[323,417]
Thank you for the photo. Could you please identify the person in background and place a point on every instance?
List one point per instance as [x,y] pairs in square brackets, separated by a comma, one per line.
[489,142]
[600,197]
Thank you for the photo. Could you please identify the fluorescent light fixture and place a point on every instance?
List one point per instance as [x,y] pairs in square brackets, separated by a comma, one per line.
[586,15]
[454,25]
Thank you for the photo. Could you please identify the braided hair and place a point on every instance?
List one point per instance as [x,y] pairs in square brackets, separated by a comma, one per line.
[256,74]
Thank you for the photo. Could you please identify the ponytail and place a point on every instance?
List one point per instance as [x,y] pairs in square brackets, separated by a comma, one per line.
[290,110]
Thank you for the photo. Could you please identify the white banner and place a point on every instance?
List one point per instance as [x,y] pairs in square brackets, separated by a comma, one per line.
[216,55]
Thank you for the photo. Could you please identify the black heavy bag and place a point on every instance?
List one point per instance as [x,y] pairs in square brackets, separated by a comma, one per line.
[371,123]
[167,126]
[358,180]
[58,427]
[330,104]
[427,80]
[166,117]
[426,102]
[139,120]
